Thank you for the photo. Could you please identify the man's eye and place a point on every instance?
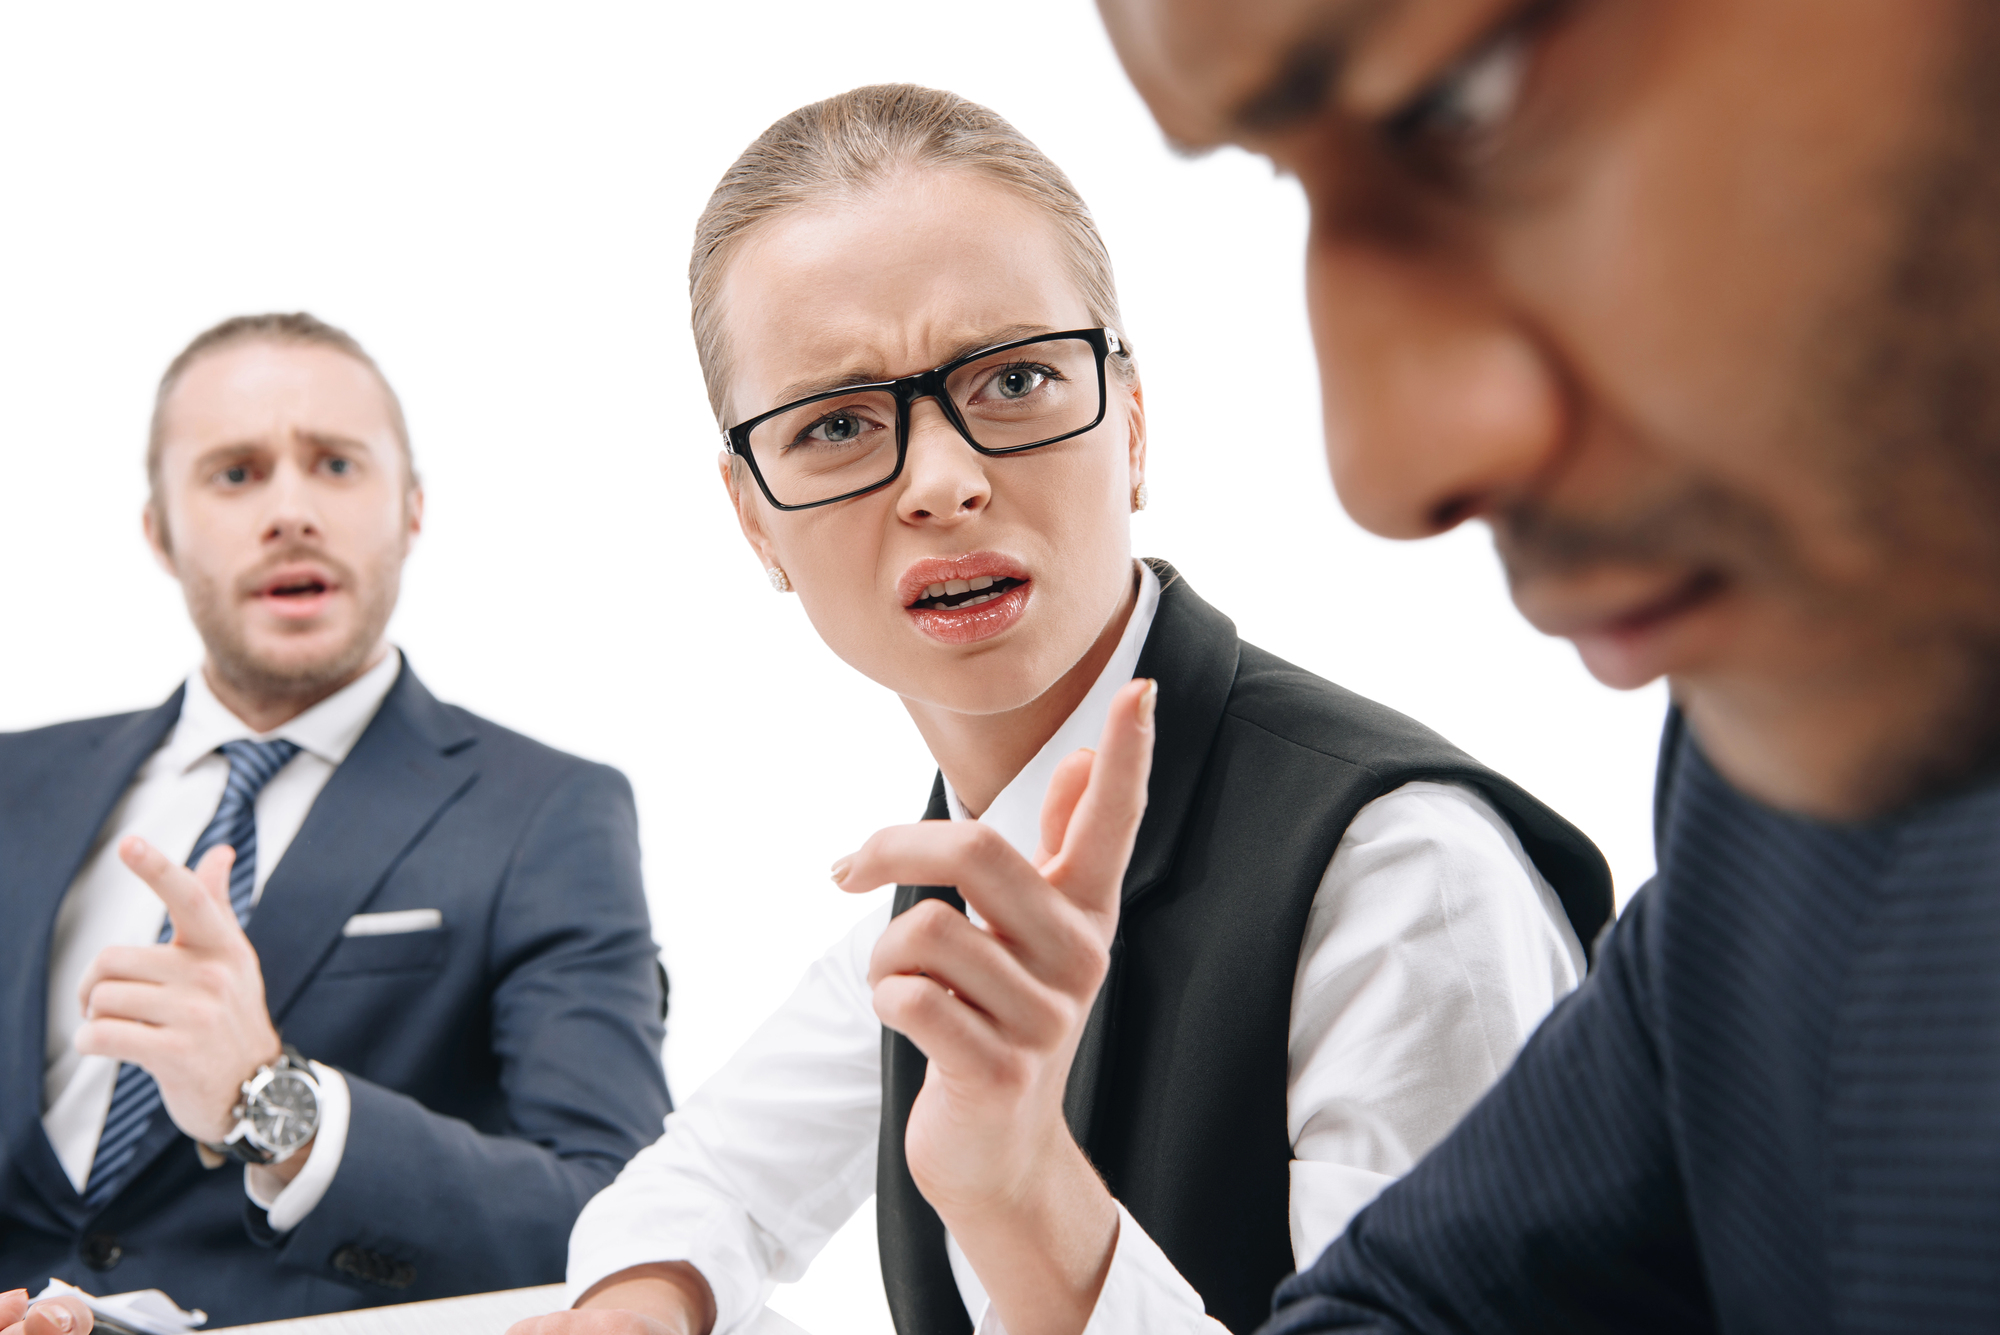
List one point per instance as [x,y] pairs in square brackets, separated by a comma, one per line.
[1473,101]
[236,474]
[340,467]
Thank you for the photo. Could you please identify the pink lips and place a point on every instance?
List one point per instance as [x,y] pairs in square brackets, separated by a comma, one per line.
[1649,640]
[967,625]
[296,593]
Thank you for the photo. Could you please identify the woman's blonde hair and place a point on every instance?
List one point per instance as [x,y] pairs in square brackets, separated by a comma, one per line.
[859,141]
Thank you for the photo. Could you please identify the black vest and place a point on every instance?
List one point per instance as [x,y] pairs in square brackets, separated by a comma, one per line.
[1178,1090]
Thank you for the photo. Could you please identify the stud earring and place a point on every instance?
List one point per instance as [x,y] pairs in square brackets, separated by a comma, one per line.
[779,582]
[1139,498]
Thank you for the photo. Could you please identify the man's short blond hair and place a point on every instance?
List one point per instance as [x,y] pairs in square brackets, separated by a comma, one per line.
[297,328]
[848,145]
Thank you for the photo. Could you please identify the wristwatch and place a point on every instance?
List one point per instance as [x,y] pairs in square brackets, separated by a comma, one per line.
[277,1112]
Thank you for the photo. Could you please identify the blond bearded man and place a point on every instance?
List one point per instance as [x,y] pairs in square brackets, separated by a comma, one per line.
[320,993]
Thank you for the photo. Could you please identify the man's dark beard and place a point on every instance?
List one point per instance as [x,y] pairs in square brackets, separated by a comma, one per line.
[1901,413]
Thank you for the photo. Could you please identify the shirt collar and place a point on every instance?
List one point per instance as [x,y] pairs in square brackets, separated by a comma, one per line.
[328,730]
[1017,812]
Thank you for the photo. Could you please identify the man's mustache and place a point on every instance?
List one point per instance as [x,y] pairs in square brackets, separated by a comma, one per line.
[1699,525]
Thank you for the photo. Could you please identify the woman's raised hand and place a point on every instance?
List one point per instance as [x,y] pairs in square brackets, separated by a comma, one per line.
[998,1011]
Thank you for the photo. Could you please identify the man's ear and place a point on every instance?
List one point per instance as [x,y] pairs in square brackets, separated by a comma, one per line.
[749,515]
[155,525]
[413,513]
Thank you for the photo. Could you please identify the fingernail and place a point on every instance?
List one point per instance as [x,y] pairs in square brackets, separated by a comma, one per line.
[1148,701]
[59,1316]
[840,870]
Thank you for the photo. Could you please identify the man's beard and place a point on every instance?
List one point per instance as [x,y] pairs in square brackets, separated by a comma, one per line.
[1898,416]
[302,681]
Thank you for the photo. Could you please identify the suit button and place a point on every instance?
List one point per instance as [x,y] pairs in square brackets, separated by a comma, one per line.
[101,1251]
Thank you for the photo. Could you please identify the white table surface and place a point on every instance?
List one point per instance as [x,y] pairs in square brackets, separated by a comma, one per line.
[474,1314]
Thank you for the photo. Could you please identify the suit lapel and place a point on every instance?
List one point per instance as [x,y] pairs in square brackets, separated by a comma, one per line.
[413,761]
[49,823]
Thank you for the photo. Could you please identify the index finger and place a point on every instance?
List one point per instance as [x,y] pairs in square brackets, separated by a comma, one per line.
[201,919]
[1090,866]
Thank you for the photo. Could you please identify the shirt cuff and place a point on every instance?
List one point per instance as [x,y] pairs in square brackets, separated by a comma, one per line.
[1142,1293]
[286,1204]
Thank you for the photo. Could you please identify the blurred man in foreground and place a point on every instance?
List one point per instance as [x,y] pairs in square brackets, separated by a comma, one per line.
[1697,304]
[444,919]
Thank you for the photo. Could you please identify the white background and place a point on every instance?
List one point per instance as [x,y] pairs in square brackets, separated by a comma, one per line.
[498,202]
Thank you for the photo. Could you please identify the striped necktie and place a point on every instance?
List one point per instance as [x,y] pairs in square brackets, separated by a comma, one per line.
[135,1099]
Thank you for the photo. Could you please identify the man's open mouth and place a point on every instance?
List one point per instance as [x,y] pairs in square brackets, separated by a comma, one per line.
[954,594]
[302,588]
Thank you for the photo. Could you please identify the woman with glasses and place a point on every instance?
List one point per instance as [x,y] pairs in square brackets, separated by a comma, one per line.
[1086,1092]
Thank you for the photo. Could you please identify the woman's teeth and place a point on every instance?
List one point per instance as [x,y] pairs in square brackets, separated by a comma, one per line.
[967,592]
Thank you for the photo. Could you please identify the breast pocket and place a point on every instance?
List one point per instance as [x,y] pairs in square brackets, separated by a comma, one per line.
[401,952]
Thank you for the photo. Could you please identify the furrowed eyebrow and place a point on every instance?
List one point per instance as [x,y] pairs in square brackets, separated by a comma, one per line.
[805,389]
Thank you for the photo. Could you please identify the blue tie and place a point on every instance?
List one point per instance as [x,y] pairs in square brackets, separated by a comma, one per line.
[136,1098]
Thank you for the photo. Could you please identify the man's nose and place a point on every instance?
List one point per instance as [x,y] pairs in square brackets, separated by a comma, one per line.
[1438,406]
[944,479]
[292,513]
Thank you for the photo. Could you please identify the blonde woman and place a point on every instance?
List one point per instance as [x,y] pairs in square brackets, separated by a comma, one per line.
[1084,1099]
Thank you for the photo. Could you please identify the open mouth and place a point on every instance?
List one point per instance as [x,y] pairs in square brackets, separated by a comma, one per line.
[955,594]
[309,587]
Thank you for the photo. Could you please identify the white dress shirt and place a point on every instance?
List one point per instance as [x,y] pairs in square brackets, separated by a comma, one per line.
[170,801]
[1432,949]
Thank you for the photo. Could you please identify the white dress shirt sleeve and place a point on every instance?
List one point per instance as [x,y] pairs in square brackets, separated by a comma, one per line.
[767,1160]
[286,1204]
[1432,950]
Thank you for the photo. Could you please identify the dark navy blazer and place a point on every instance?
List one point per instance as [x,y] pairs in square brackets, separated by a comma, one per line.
[1774,1105]
[503,1067]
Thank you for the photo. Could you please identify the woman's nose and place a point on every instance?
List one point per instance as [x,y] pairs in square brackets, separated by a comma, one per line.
[1437,406]
[944,479]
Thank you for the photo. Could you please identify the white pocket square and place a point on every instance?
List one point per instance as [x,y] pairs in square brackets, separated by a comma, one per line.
[393,924]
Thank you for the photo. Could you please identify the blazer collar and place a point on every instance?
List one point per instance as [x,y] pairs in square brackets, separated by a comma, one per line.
[73,799]
[414,760]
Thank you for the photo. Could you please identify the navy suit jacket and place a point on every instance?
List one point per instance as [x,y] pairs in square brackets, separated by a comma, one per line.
[503,1067]
[1774,1105]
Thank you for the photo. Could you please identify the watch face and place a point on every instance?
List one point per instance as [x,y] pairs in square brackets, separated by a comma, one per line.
[285,1113]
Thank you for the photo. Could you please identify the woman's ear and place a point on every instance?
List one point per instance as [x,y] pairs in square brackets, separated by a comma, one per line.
[1137,432]
[749,515]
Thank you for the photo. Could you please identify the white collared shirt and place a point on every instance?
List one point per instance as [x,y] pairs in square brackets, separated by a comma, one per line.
[169,802]
[1433,948]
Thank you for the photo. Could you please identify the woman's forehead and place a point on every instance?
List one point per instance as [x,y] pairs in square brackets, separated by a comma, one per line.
[891,283]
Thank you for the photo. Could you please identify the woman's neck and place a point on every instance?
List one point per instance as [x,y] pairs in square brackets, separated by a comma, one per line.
[981,753]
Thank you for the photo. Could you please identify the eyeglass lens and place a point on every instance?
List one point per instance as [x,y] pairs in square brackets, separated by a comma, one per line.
[1010,400]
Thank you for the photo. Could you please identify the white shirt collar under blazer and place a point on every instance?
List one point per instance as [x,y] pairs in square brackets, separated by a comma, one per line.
[1017,812]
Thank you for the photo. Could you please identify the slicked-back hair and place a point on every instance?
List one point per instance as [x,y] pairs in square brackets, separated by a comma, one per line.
[860,141]
[296,328]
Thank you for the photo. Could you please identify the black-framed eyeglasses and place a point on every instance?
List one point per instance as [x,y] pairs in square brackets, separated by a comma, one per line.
[1002,400]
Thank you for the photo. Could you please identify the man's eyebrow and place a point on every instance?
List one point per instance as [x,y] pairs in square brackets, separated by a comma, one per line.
[327,440]
[965,347]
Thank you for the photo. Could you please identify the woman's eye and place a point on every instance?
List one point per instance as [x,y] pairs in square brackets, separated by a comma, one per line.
[1017,382]
[1474,100]
[837,429]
